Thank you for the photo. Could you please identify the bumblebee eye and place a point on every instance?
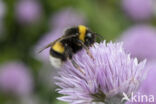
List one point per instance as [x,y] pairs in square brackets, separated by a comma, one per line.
[89,35]
[77,34]
[66,44]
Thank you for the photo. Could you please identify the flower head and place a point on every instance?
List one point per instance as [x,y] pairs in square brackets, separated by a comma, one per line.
[28,11]
[140,41]
[15,78]
[138,9]
[67,17]
[147,87]
[105,78]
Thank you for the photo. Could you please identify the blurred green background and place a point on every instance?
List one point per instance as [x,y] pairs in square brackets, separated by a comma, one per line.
[20,35]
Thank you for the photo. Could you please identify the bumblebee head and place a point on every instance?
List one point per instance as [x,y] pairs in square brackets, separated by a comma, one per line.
[90,38]
[83,34]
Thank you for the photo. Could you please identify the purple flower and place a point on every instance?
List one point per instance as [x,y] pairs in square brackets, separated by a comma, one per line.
[104,79]
[148,86]
[15,78]
[138,9]
[28,11]
[67,17]
[140,41]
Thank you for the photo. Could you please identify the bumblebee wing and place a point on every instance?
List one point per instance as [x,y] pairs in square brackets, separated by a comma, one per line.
[47,46]
[66,37]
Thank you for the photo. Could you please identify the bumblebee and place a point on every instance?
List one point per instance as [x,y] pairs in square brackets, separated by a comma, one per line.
[73,40]
[84,38]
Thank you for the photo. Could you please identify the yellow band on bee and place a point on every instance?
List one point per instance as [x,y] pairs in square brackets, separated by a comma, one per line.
[82,31]
[58,47]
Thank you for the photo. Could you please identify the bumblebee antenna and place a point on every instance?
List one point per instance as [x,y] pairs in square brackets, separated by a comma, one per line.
[59,39]
[99,36]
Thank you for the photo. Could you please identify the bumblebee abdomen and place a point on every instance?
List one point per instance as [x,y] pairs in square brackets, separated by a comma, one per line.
[55,62]
[56,58]
[54,53]
[58,47]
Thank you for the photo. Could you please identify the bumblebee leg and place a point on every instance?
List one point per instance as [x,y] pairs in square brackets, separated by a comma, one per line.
[86,48]
[88,52]
[69,54]
[77,66]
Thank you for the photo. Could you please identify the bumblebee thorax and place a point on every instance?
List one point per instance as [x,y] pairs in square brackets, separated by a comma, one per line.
[82,32]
